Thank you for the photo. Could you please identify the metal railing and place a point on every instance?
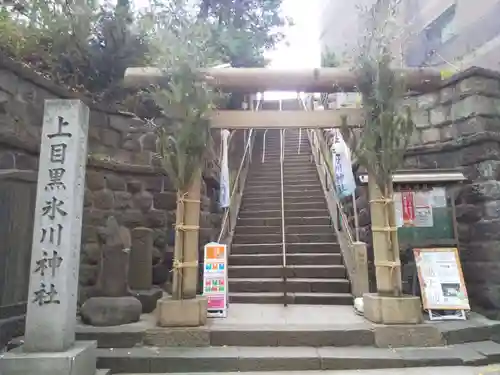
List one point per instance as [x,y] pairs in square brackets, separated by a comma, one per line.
[283,234]
[347,237]
[231,214]
[264,146]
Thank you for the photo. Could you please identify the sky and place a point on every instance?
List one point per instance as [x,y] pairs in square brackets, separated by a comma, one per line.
[303,37]
[302,47]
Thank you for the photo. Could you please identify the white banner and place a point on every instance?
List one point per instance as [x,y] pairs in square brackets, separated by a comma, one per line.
[224,197]
[341,158]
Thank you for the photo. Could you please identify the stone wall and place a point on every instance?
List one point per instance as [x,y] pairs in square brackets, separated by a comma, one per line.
[123,177]
[459,126]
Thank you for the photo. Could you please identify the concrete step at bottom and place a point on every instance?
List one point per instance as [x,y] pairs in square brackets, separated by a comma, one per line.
[298,360]
[291,259]
[292,285]
[292,298]
[332,247]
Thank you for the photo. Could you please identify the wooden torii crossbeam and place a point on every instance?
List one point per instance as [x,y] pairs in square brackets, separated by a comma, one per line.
[254,80]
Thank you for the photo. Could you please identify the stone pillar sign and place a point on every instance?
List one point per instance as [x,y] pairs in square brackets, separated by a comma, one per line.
[50,346]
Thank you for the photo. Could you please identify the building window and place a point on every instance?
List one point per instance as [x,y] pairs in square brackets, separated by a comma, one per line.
[442,28]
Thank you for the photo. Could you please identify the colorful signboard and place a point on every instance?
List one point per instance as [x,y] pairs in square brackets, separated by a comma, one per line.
[215,279]
[441,279]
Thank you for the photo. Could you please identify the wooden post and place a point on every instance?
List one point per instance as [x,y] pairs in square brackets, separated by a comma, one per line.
[385,242]
[191,238]
[178,248]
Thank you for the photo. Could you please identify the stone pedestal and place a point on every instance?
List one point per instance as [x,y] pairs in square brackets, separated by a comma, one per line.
[80,359]
[181,313]
[392,310]
[140,275]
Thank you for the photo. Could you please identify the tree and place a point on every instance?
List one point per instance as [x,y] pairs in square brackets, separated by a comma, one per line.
[77,45]
[246,28]
[381,145]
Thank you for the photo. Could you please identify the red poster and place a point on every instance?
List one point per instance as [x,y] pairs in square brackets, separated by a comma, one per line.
[408,207]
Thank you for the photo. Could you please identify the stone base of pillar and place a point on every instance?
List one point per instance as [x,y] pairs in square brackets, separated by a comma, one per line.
[78,360]
[392,310]
[181,313]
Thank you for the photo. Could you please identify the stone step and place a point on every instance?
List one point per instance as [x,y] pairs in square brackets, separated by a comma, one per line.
[293,298]
[289,195]
[292,285]
[277,213]
[316,271]
[288,205]
[289,154]
[270,198]
[289,229]
[300,358]
[275,177]
[276,167]
[291,192]
[288,174]
[291,248]
[276,221]
[297,185]
[290,181]
[291,259]
[277,238]
[289,150]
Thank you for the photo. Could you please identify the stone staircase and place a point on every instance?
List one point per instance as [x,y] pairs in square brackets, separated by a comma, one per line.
[315,270]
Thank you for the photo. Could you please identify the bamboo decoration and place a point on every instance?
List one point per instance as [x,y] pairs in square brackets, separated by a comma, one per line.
[183,146]
[380,148]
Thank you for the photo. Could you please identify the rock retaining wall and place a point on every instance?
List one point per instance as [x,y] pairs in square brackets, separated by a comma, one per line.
[123,177]
[459,126]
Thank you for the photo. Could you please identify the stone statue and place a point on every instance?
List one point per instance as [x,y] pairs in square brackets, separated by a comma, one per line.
[113,278]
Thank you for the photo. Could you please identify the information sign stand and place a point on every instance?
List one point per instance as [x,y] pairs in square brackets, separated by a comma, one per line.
[215,279]
[442,284]
[453,315]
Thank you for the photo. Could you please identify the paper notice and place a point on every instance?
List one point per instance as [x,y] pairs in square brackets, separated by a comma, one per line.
[423,217]
[438,197]
[398,209]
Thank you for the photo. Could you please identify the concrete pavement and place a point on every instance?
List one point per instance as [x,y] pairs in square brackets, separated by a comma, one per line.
[457,370]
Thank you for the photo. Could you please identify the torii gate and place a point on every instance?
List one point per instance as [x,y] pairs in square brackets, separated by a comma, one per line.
[258,80]
[254,80]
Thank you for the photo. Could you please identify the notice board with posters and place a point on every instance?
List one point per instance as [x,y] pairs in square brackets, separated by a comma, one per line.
[425,217]
[442,282]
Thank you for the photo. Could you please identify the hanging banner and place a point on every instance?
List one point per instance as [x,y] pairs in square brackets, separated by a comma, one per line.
[215,279]
[441,279]
[341,157]
[224,198]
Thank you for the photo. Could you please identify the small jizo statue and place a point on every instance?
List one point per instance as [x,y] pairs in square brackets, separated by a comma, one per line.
[113,278]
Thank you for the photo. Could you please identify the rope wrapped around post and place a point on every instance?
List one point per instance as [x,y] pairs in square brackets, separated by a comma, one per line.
[178,265]
[388,229]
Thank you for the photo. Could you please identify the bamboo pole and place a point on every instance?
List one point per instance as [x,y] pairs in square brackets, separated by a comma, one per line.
[191,237]
[385,242]
[178,248]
